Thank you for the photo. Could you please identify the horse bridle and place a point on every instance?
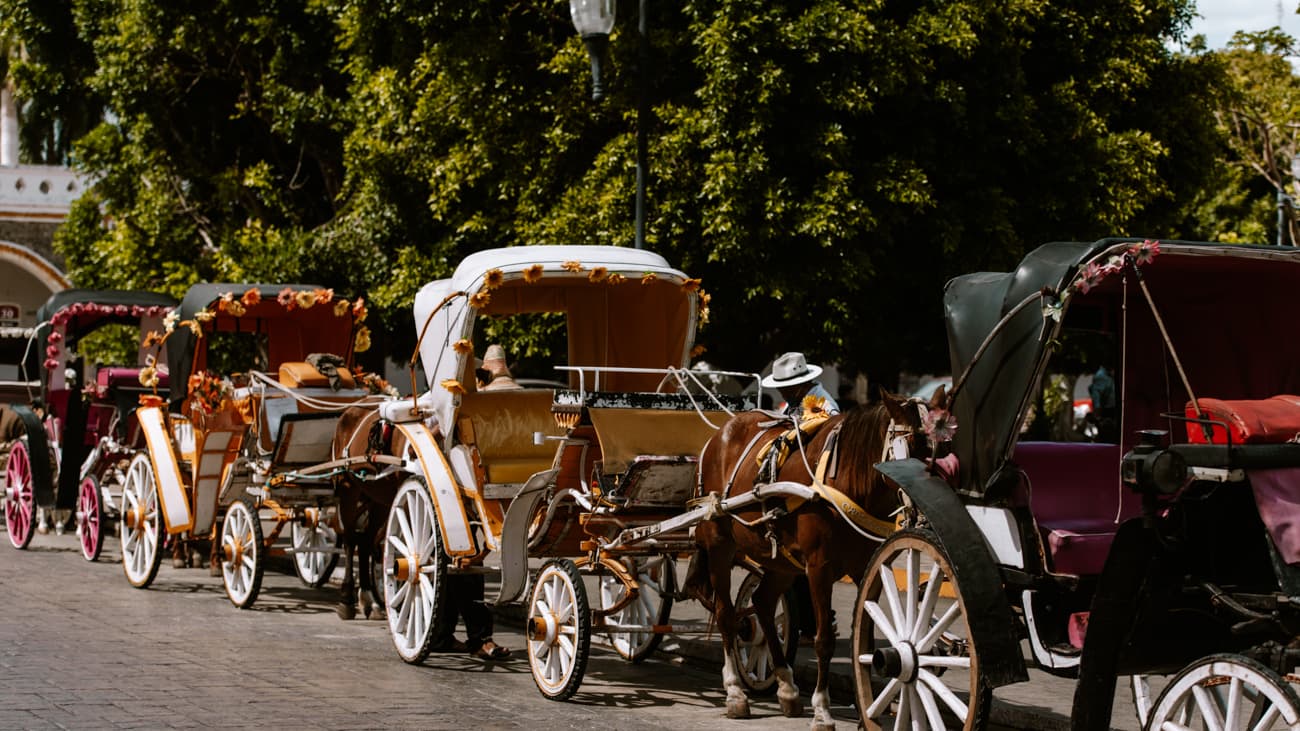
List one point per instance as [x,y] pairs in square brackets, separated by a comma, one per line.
[898,437]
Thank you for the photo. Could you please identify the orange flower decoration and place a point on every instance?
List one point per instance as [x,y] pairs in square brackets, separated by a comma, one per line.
[305,299]
[572,266]
[813,406]
[341,307]
[204,315]
[479,300]
[234,307]
[152,339]
[533,273]
[691,285]
[493,279]
[453,386]
[285,298]
[616,278]
[598,274]
[361,343]
[697,351]
[359,309]
[463,347]
[324,296]
[704,315]
[251,298]
[649,277]
[705,298]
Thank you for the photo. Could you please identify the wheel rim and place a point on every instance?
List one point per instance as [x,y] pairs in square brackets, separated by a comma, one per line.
[20,501]
[141,530]
[911,637]
[555,624]
[411,561]
[240,545]
[1226,692]
[756,662]
[89,523]
[646,610]
[313,549]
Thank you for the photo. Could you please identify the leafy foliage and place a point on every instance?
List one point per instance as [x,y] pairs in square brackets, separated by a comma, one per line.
[824,165]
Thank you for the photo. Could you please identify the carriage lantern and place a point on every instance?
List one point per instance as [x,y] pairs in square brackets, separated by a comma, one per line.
[594,19]
[1148,467]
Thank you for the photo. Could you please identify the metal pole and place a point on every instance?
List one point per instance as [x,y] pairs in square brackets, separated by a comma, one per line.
[642,117]
[1281,217]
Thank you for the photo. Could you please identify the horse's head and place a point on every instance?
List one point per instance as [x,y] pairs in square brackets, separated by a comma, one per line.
[917,426]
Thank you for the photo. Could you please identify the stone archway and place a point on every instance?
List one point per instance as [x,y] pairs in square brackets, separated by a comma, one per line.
[27,279]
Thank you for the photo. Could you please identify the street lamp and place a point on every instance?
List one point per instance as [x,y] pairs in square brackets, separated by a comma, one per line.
[594,19]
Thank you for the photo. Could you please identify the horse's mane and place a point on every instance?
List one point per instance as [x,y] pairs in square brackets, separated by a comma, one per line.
[861,442]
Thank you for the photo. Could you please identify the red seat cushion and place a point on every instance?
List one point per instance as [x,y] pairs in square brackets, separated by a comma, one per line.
[1076,497]
[1262,421]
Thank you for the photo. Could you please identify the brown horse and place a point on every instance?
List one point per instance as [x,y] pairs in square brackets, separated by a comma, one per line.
[813,539]
[365,495]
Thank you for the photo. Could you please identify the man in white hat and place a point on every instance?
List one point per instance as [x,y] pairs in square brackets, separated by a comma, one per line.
[796,379]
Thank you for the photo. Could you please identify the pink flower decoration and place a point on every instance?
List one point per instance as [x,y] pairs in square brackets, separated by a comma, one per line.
[122,310]
[1144,252]
[55,337]
[940,425]
[1090,276]
[52,351]
[59,319]
[51,364]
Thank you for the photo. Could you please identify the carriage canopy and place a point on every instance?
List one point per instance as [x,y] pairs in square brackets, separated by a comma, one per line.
[1223,306]
[72,314]
[622,308]
[290,321]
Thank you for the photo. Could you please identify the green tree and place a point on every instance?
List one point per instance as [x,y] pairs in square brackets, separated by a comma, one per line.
[825,165]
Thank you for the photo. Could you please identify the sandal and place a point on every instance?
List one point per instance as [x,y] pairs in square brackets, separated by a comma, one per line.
[452,645]
[491,651]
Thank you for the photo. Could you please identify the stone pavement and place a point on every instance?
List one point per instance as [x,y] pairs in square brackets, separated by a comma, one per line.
[79,648]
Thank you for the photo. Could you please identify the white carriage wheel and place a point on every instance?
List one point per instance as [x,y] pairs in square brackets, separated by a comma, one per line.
[1227,692]
[910,630]
[558,630]
[414,571]
[142,523]
[652,606]
[315,548]
[757,667]
[241,554]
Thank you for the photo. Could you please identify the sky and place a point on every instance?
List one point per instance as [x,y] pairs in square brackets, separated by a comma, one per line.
[1221,18]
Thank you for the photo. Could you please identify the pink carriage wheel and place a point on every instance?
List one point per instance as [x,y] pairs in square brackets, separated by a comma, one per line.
[20,502]
[90,518]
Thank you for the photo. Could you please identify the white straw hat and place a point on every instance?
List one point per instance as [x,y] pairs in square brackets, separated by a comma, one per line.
[791,369]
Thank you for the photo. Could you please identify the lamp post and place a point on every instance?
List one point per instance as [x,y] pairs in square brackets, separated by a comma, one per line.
[594,19]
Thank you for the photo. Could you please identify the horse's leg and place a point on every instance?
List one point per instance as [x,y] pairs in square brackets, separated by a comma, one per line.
[766,597]
[720,552]
[367,554]
[821,578]
[348,509]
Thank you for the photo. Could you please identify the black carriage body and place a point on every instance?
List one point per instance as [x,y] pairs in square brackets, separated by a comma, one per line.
[1222,306]
[83,312]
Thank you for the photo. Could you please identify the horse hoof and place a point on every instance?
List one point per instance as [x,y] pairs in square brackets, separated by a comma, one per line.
[792,708]
[178,563]
[376,613]
[738,708]
[346,611]
[214,569]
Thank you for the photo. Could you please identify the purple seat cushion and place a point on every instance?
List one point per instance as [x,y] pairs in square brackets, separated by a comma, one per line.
[1076,498]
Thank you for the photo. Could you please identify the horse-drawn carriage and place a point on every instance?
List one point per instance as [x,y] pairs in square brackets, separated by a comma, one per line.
[260,374]
[77,436]
[1134,555]
[594,479]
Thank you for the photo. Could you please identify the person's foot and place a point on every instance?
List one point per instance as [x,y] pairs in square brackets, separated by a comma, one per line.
[491,651]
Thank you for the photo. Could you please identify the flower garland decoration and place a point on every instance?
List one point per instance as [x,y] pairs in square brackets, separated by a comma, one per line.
[597,274]
[572,266]
[374,383]
[939,425]
[210,392]
[649,278]
[533,274]
[463,347]
[1093,274]
[452,386]
[60,320]
[493,279]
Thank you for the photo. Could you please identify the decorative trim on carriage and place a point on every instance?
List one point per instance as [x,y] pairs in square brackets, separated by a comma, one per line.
[452,520]
[171,487]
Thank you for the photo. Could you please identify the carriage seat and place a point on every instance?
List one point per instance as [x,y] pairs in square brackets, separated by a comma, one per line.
[1075,494]
[501,424]
[1273,420]
[301,374]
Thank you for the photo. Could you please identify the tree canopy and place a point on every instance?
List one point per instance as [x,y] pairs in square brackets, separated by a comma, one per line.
[824,165]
